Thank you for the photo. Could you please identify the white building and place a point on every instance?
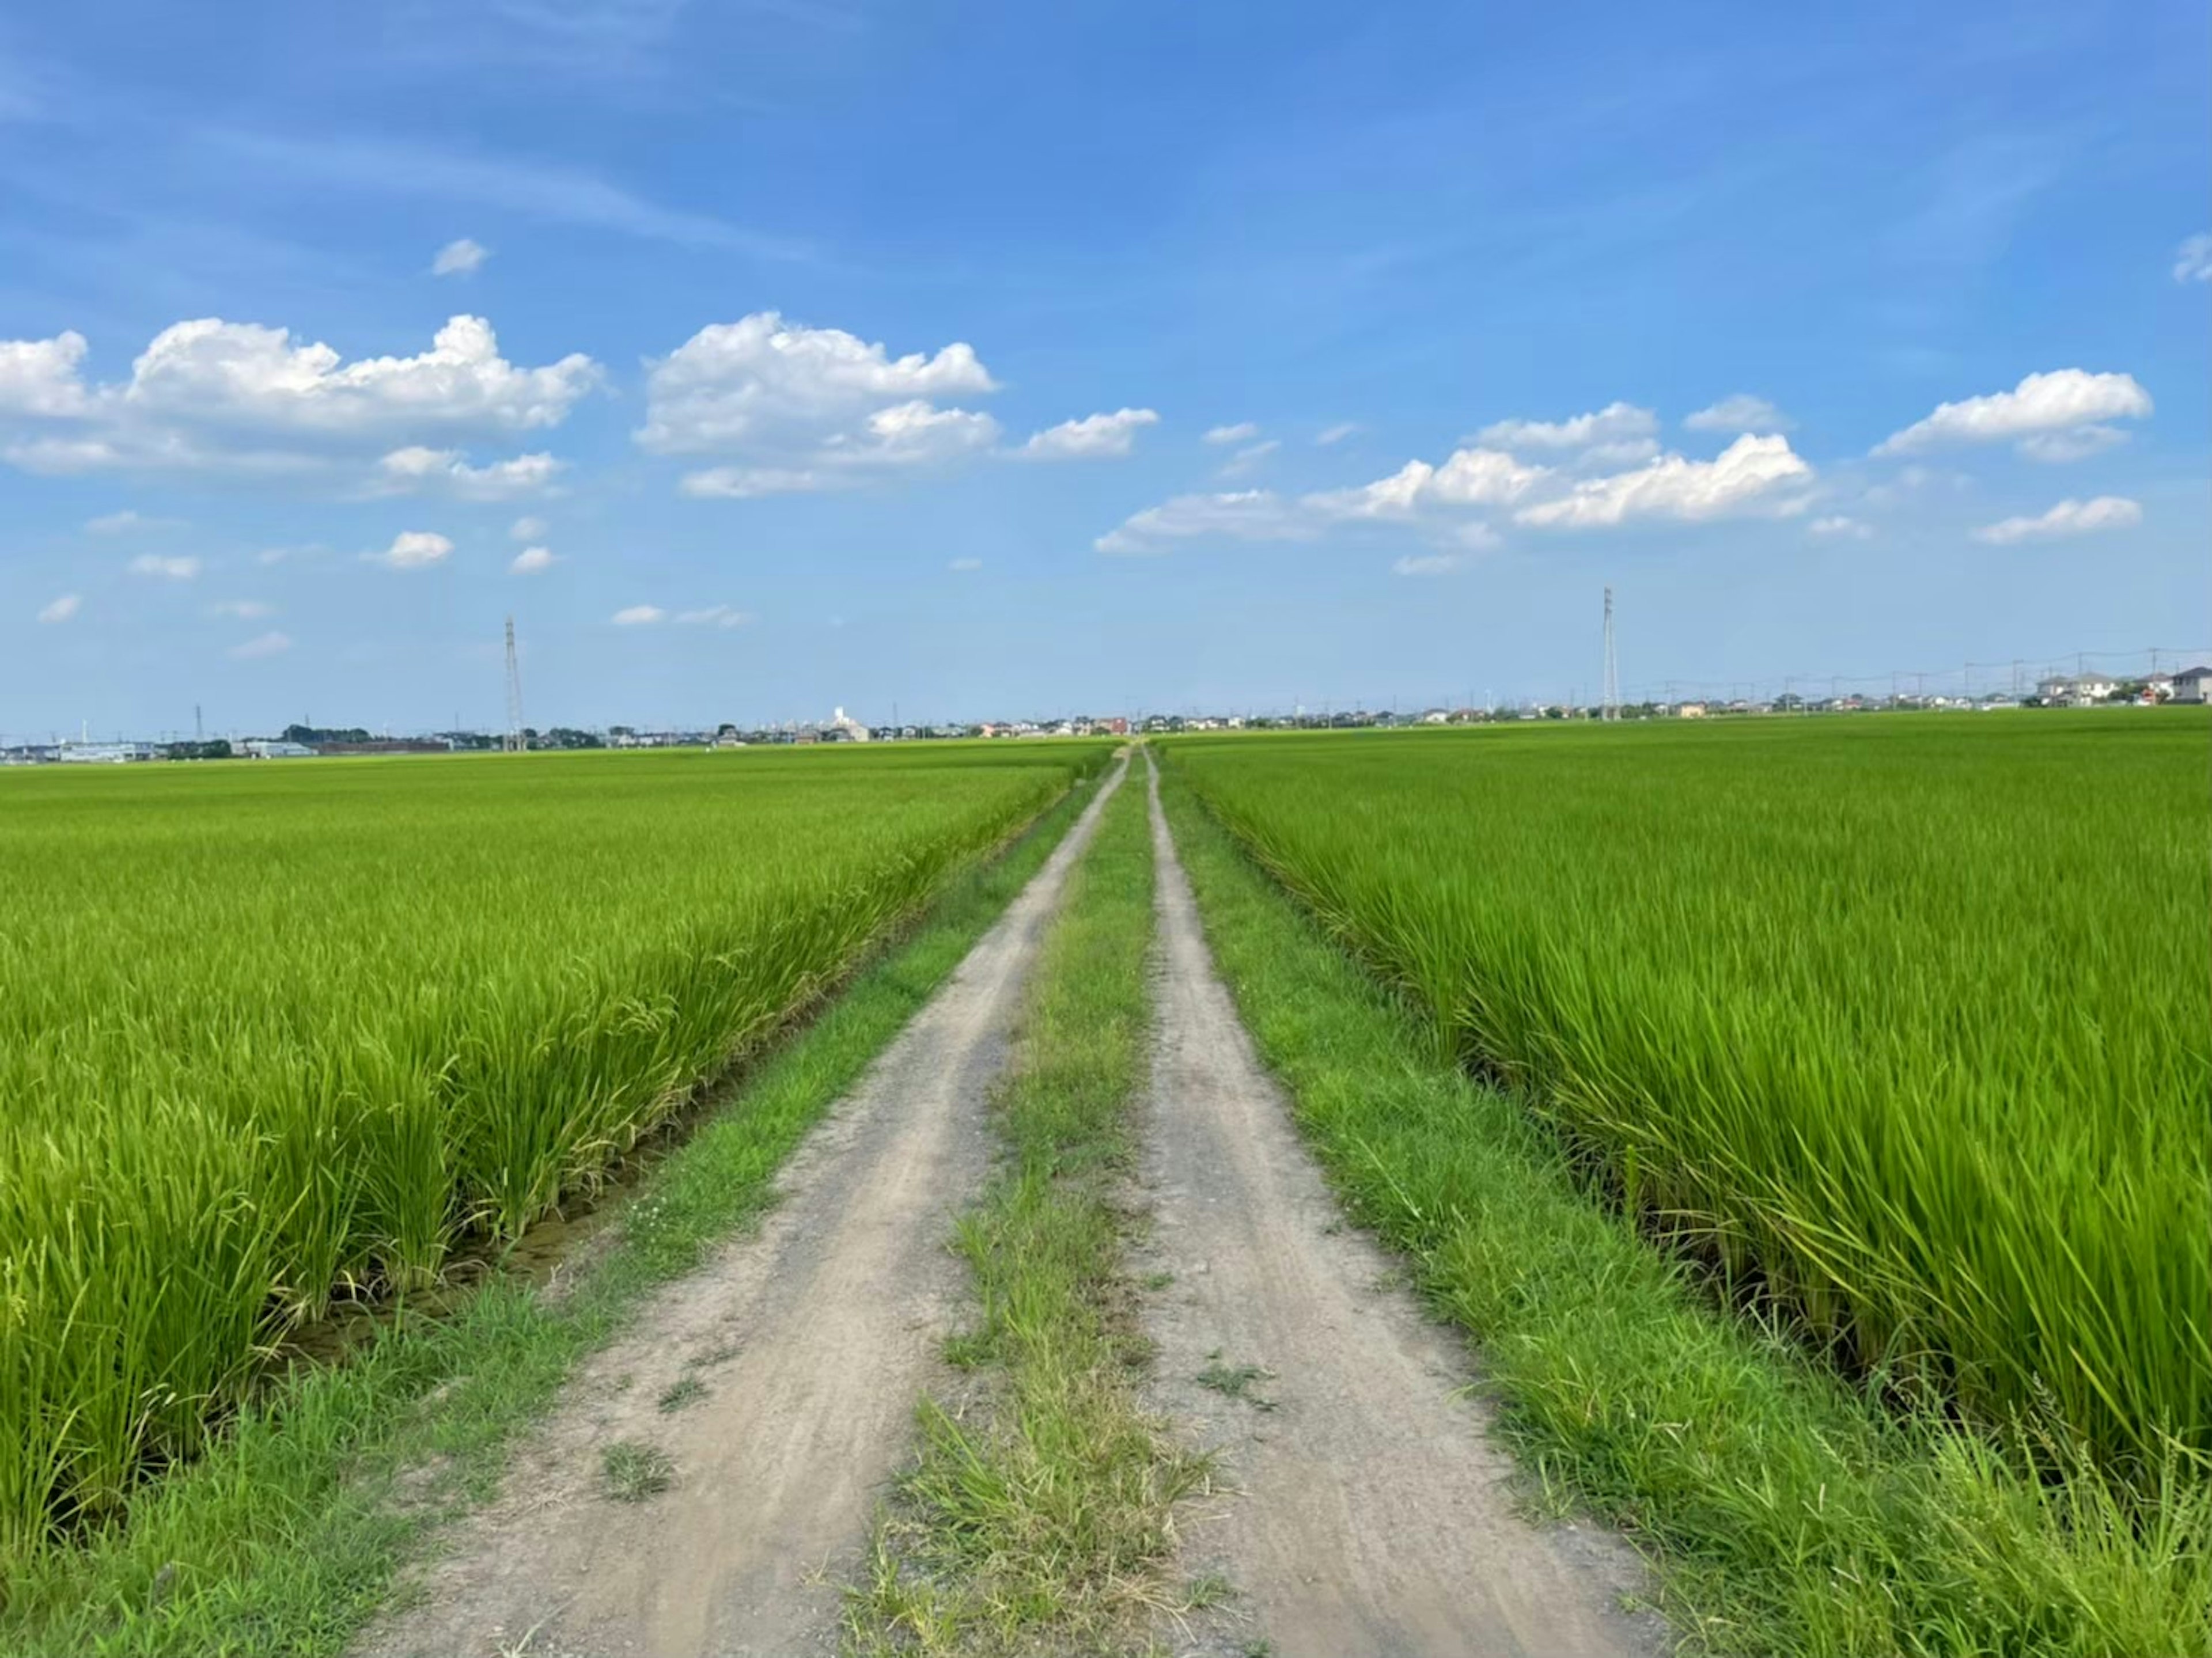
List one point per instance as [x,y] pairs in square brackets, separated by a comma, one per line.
[853,729]
[2080,690]
[2193,685]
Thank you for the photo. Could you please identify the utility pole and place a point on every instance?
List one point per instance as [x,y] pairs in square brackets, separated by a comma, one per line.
[1612,697]
[513,743]
[199,727]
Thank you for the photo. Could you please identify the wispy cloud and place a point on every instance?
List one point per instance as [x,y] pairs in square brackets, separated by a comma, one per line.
[537,190]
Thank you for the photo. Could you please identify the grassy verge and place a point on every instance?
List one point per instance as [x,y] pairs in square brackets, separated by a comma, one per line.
[285,1537]
[1784,1513]
[1039,1516]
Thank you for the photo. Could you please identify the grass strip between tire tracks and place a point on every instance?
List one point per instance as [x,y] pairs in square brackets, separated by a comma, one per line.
[285,1538]
[1039,1515]
[1782,1512]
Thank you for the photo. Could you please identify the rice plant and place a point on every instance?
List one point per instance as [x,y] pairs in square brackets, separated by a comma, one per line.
[1901,1023]
[272,1033]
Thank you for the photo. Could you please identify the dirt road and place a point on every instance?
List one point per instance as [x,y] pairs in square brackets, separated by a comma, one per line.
[1369,1517]
[811,1340]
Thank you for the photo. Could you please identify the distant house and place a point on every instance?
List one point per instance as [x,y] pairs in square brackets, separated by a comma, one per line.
[273,747]
[2193,685]
[2078,689]
[1690,711]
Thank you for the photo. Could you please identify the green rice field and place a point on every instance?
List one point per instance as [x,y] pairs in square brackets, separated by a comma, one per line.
[1903,1024]
[270,1034]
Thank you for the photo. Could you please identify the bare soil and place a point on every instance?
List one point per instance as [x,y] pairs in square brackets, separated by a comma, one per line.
[1365,1514]
[774,1389]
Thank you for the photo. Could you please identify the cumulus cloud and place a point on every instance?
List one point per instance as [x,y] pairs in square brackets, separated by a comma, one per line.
[268,644]
[1242,432]
[714,616]
[245,610]
[212,395]
[174,567]
[417,469]
[640,616]
[1471,477]
[2077,443]
[38,378]
[526,529]
[965,565]
[412,550]
[1741,412]
[2192,261]
[1838,527]
[2067,517]
[461,258]
[1753,474]
[1236,514]
[1093,437]
[1614,422]
[533,561]
[61,609]
[2041,404]
[796,408]
[1744,475]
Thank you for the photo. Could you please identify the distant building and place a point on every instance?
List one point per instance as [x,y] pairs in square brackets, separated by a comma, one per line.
[103,754]
[2077,689]
[274,748]
[1689,711]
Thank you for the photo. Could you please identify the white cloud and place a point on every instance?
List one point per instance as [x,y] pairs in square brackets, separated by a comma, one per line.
[640,616]
[116,523]
[412,550]
[2077,443]
[244,610]
[39,377]
[1336,433]
[1741,412]
[965,565]
[1429,564]
[796,408]
[418,470]
[526,529]
[1471,477]
[1612,423]
[1744,475]
[714,616]
[178,567]
[462,258]
[215,395]
[1240,514]
[533,561]
[268,644]
[1094,436]
[2067,517]
[61,609]
[2192,261]
[1249,457]
[2056,402]
[1838,527]
[1242,432]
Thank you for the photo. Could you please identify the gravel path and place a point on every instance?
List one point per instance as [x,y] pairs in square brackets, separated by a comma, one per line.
[812,1339]
[1366,1515]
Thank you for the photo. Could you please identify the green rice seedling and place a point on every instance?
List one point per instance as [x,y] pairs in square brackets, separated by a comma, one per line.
[1900,1023]
[270,1033]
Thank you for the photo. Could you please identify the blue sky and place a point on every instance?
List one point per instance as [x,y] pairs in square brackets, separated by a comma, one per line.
[988,359]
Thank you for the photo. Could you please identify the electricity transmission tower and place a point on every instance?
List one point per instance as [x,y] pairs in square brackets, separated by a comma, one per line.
[1611,709]
[514,742]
